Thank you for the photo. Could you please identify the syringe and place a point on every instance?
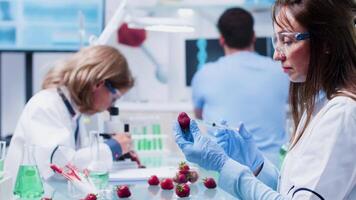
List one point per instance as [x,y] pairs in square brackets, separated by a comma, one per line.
[216,125]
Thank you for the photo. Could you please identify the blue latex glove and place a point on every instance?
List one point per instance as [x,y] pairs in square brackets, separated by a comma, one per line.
[198,148]
[240,146]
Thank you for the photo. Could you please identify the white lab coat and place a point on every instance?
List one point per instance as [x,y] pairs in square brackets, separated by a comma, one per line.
[322,165]
[323,161]
[46,123]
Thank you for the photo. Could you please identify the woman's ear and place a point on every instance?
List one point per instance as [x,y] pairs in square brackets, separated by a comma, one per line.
[221,41]
[254,38]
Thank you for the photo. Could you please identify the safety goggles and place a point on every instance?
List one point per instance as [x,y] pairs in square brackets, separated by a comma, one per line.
[283,41]
[115,92]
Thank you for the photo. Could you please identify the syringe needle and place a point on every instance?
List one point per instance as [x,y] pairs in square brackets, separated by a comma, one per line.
[216,125]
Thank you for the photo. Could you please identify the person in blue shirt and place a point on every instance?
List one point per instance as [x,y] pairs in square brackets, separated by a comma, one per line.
[260,90]
[315,41]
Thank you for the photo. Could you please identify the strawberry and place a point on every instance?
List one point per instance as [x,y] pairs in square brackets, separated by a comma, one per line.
[184,121]
[209,183]
[90,197]
[123,191]
[183,168]
[153,180]
[180,178]
[46,198]
[167,184]
[193,176]
[183,190]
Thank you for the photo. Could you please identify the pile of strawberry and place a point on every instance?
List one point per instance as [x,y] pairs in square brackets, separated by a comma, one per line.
[183,178]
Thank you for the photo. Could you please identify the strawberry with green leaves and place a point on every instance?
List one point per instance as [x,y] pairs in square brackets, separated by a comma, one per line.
[183,190]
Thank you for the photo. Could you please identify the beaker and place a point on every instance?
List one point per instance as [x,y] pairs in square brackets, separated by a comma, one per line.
[98,170]
[28,181]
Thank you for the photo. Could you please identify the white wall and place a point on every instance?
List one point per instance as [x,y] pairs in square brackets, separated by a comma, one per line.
[167,48]
[12,90]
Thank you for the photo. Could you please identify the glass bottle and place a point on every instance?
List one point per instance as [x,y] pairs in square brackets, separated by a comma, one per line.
[28,181]
[98,170]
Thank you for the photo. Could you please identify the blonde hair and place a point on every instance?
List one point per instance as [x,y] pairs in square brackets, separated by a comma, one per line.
[87,68]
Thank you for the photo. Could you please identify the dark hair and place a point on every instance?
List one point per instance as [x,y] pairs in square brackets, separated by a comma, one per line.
[236,27]
[332,64]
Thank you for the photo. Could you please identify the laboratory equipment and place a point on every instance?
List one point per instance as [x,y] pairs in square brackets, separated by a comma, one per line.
[98,170]
[147,135]
[79,184]
[2,158]
[114,124]
[216,125]
[28,181]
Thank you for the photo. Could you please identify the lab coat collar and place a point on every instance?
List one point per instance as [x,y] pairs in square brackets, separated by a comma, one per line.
[74,106]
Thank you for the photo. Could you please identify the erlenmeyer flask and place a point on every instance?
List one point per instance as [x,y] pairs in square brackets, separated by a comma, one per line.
[28,181]
[98,170]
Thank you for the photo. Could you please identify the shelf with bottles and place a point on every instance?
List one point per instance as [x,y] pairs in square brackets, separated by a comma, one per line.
[146,139]
[7,35]
[7,10]
[146,133]
[159,5]
[63,11]
[44,25]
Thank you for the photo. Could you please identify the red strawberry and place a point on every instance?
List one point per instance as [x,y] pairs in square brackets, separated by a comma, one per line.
[153,180]
[123,191]
[183,168]
[193,176]
[184,121]
[183,190]
[90,197]
[167,184]
[180,178]
[46,198]
[209,183]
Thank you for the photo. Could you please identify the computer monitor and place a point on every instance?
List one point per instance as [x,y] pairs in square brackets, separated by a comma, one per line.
[201,51]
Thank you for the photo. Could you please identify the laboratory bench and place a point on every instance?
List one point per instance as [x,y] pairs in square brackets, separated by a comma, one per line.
[140,190]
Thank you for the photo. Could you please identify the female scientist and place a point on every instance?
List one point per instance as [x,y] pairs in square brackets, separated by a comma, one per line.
[85,84]
[315,40]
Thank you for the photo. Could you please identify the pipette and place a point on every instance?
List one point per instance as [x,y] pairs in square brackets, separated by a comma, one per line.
[216,125]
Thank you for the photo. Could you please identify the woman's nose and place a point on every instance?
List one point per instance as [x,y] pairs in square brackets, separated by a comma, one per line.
[279,55]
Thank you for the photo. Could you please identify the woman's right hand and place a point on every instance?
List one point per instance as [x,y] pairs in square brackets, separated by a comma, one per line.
[125,141]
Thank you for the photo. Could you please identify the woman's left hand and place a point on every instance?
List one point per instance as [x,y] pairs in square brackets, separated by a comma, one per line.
[201,149]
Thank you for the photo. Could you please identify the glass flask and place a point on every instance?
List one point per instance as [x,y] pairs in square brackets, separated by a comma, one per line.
[98,170]
[28,183]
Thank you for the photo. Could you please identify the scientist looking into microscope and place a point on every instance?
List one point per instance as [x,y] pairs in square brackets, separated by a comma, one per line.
[88,82]
[315,40]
